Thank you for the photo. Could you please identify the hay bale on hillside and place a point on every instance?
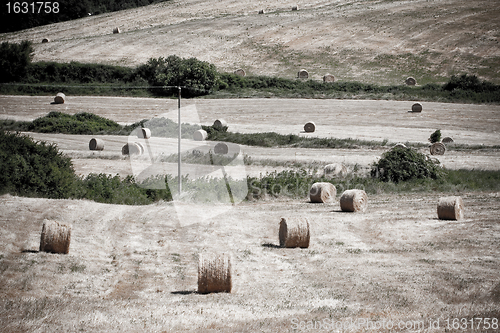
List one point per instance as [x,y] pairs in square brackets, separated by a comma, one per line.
[60,98]
[354,201]
[131,149]
[335,169]
[200,135]
[116,30]
[96,144]
[329,78]
[214,273]
[219,124]
[322,192]
[294,232]
[294,8]
[55,237]
[447,140]
[303,74]
[310,127]
[45,40]
[399,145]
[410,81]
[416,107]
[450,208]
[144,133]
[141,147]
[221,148]
[437,148]
[261,11]
[240,72]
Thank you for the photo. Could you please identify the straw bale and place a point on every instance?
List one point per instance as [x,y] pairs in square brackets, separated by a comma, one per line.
[240,72]
[144,133]
[214,273]
[328,78]
[354,201]
[219,124]
[335,169]
[447,140]
[131,149]
[96,144]
[294,232]
[116,30]
[437,148]
[55,237]
[200,135]
[221,148]
[416,107]
[303,74]
[295,8]
[310,127]
[450,208]
[410,81]
[60,98]
[322,192]
[45,40]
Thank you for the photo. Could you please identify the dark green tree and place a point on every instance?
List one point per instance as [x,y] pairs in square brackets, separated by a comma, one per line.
[14,60]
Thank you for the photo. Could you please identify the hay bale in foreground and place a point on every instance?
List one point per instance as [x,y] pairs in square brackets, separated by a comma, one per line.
[55,237]
[60,98]
[200,135]
[214,273]
[294,232]
[322,192]
[450,208]
[354,201]
[131,149]
[144,133]
[437,148]
[417,107]
[219,124]
[303,74]
[328,78]
[240,72]
[116,30]
[221,148]
[410,81]
[96,144]
[335,169]
[310,127]
[447,140]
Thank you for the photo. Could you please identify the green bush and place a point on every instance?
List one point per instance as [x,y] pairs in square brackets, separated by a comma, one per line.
[435,137]
[403,164]
[14,60]
[80,123]
[34,168]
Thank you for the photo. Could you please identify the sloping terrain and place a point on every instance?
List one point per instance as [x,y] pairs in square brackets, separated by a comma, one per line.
[369,41]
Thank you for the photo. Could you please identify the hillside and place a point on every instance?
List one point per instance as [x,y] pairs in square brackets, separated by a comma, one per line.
[370,41]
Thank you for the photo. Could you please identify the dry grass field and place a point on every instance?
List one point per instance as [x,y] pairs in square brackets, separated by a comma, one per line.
[394,268]
[372,41]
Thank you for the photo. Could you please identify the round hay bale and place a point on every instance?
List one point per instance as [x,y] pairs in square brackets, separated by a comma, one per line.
[447,140]
[219,124]
[335,169]
[399,145]
[141,147]
[221,148]
[310,127]
[55,237]
[437,148]
[45,40]
[328,78]
[322,192]
[410,81]
[116,30]
[450,208]
[200,135]
[295,8]
[417,107]
[303,74]
[354,201]
[261,11]
[60,98]
[240,72]
[131,149]
[214,273]
[144,133]
[294,232]
[96,144]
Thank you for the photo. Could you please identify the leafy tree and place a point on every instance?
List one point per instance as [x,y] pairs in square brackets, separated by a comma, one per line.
[435,137]
[402,164]
[14,60]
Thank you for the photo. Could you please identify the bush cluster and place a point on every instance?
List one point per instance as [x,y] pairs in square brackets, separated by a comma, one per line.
[403,164]
[80,123]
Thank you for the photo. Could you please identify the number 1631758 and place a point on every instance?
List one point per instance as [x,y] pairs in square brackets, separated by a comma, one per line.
[38,7]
